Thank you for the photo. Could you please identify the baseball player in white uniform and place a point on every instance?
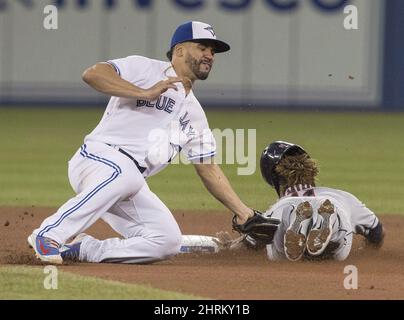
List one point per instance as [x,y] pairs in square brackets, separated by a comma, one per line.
[314,222]
[151,116]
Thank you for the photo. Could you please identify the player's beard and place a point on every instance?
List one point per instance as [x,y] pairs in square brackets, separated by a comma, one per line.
[195,67]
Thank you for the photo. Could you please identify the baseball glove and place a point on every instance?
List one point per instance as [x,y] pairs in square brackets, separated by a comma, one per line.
[258,227]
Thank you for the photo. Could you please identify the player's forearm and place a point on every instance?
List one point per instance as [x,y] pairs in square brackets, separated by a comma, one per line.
[218,185]
[104,79]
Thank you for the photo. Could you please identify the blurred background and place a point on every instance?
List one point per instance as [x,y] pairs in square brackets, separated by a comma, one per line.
[284,52]
[295,72]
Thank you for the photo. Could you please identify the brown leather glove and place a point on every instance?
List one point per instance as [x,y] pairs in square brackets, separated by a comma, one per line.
[261,229]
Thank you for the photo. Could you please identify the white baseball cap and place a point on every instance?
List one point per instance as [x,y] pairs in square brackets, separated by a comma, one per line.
[194,31]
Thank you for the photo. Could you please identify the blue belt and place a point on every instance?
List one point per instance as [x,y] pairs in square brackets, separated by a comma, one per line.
[141,169]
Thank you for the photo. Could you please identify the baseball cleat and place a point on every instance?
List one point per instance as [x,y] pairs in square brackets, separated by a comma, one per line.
[71,251]
[46,249]
[319,236]
[295,236]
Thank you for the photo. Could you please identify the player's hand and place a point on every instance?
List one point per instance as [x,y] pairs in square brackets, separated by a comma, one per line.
[160,87]
[258,227]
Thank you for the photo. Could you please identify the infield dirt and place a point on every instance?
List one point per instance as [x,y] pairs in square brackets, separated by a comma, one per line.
[228,275]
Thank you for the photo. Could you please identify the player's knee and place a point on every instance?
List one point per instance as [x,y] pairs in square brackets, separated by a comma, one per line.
[173,244]
[168,246]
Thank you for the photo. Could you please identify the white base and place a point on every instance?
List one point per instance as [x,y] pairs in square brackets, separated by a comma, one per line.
[196,243]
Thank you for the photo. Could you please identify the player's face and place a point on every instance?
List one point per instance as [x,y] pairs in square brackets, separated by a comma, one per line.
[199,58]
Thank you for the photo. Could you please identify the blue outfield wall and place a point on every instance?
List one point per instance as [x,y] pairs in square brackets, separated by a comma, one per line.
[393,78]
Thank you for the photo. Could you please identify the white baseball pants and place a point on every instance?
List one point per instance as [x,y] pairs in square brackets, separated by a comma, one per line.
[109,186]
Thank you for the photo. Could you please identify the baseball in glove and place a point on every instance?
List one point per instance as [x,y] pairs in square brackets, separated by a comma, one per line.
[259,228]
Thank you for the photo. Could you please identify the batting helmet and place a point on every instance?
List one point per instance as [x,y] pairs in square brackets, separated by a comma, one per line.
[272,155]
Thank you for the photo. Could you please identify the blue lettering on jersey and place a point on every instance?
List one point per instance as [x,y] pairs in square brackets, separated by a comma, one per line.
[191,131]
[149,104]
[170,105]
[141,103]
[183,122]
[162,103]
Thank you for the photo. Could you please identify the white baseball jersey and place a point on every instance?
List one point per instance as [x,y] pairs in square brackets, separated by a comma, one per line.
[351,212]
[357,213]
[153,132]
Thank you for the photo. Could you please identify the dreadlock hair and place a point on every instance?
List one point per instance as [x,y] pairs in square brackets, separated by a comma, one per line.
[296,169]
